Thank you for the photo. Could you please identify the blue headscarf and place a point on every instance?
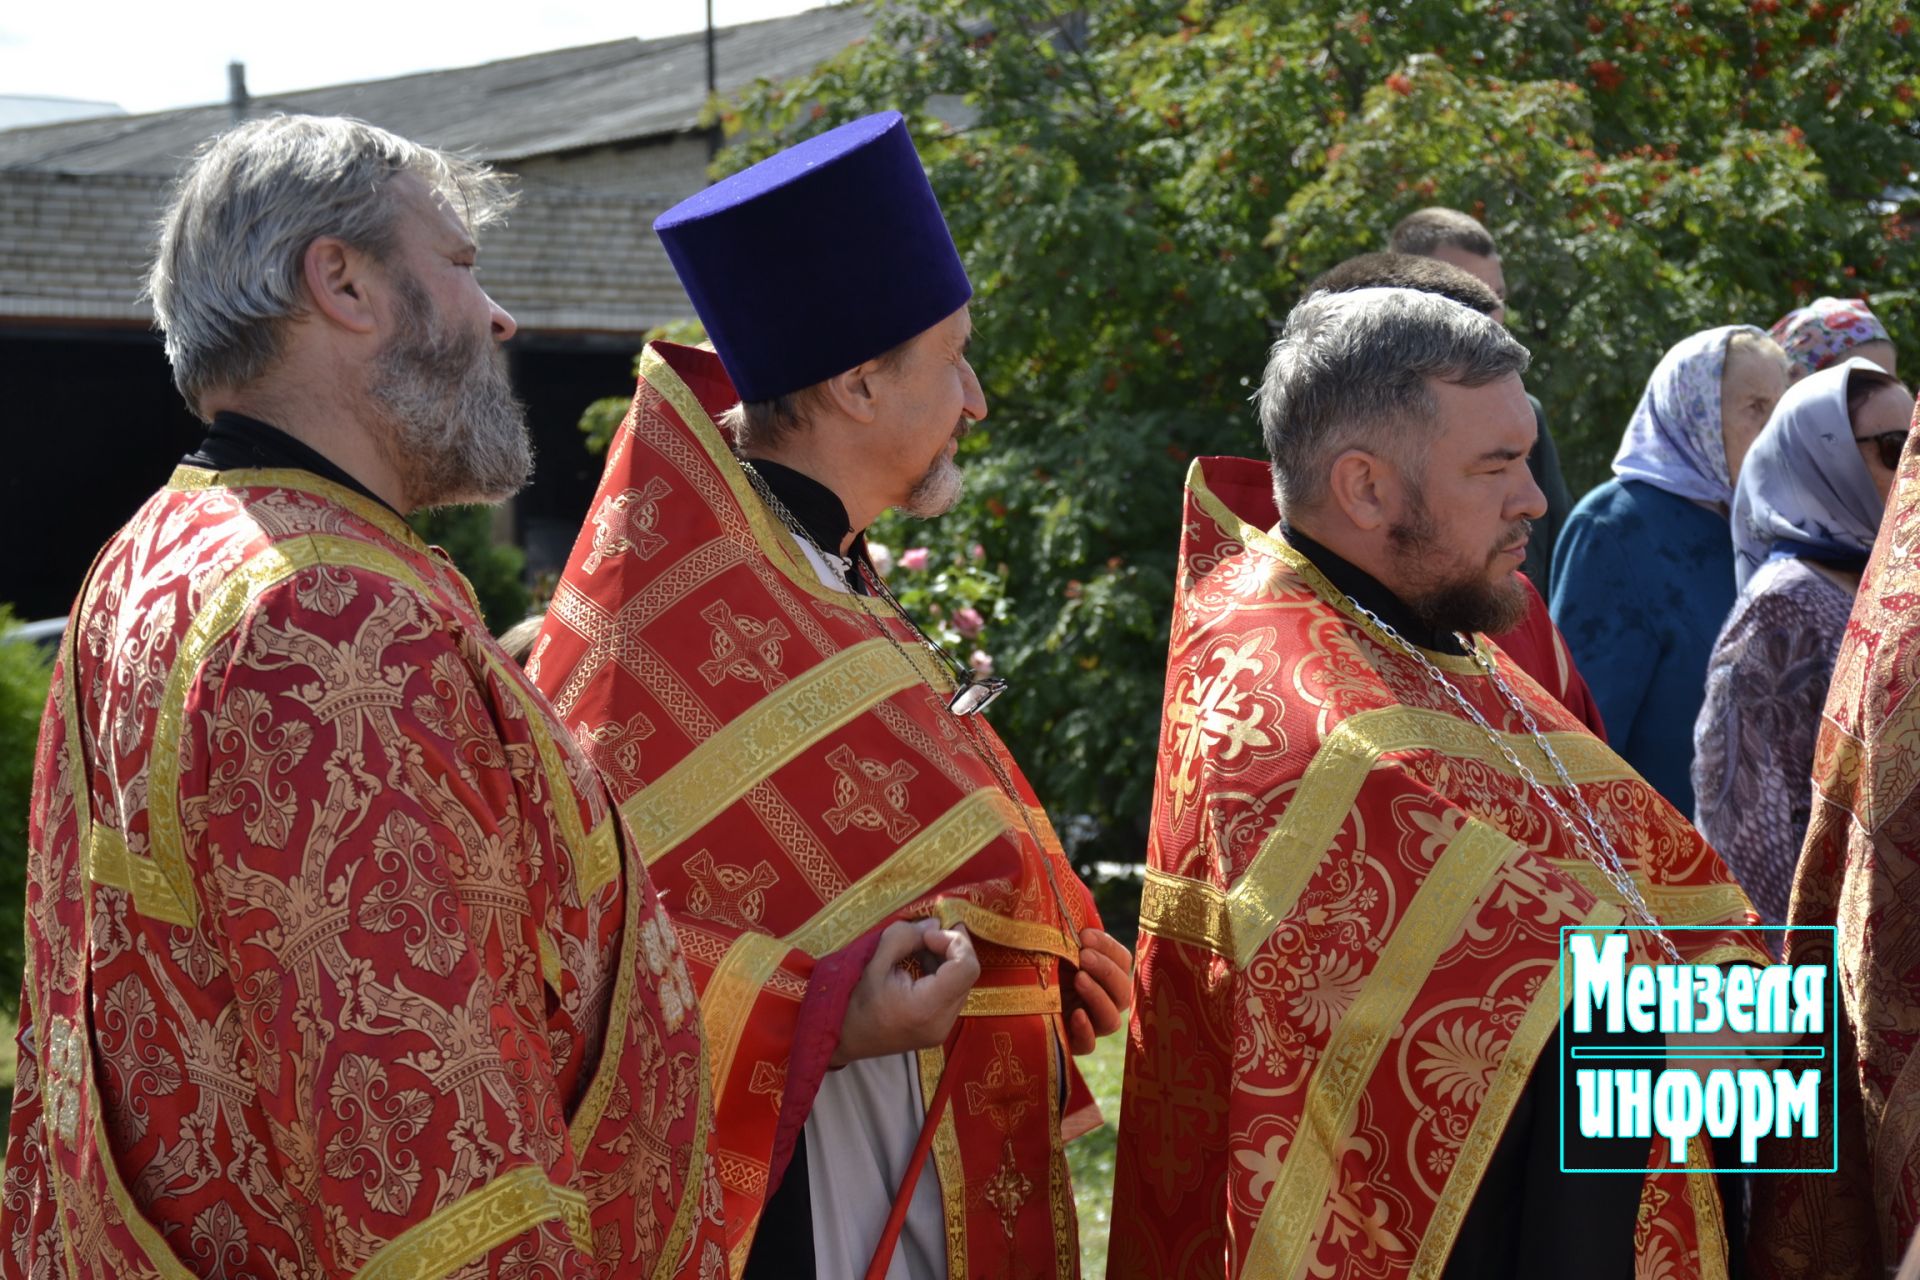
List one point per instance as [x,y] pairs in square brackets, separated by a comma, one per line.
[1674,441]
[1804,488]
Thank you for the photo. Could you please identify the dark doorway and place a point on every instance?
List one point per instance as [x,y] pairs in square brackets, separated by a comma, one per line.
[93,425]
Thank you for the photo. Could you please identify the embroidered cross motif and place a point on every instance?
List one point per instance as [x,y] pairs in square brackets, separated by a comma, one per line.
[65,1063]
[769,1078]
[1008,1090]
[624,522]
[1214,719]
[727,893]
[1007,1190]
[744,648]
[870,795]
[619,745]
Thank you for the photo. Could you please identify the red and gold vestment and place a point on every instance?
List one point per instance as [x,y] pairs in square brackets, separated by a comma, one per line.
[338,959]
[795,781]
[1860,871]
[1350,931]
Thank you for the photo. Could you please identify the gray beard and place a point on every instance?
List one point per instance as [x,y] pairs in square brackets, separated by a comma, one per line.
[937,492]
[456,432]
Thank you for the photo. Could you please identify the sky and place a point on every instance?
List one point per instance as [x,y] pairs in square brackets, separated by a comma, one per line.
[148,56]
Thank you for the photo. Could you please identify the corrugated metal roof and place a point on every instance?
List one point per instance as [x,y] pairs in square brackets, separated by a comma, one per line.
[503,111]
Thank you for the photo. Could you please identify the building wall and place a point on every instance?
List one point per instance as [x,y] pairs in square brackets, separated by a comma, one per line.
[577,265]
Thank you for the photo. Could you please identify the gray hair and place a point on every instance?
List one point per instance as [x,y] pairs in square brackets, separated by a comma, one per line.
[1352,371]
[758,425]
[227,272]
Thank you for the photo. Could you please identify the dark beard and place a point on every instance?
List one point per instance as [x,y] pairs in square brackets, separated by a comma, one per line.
[1467,603]
[457,432]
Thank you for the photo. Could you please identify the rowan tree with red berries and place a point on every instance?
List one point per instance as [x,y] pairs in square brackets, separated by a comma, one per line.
[1141,188]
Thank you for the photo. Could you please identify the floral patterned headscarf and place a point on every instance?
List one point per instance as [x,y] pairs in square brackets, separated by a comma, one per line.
[1804,489]
[1674,440]
[1818,335]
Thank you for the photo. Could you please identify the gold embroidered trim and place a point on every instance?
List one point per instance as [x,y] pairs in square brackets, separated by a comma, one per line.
[593,1104]
[1536,1029]
[596,858]
[1264,543]
[108,862]
[775,542]
[189,479]
[1235,923]
[551,968]
[1443,903]
[1020,935]
[1703,1194]
[946,1162]
[730,994]
[942,848]
[774,732]
[1007,1002]
[924,861]
[1671,904]
[473,1225]
[692,1186]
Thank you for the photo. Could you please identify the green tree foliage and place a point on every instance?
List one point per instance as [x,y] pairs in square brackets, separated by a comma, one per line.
[1141,188]
[496,570]
[25,670]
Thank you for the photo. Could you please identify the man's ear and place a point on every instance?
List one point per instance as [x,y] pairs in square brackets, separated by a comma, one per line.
[337,277]
[1360,486]
[853,394]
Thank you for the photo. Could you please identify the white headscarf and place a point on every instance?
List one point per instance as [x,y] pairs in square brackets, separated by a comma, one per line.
[1674,440]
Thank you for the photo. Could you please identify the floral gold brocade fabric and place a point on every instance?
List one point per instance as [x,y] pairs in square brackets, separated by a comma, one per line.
[339,962]
[1350,932]
[1860,871]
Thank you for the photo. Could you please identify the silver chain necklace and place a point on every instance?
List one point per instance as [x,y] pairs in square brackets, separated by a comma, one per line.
[1588,833]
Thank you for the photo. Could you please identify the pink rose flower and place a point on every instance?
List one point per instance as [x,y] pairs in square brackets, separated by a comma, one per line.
[981,662]
[977,552]
[915,558]
[968,622]
[882,556]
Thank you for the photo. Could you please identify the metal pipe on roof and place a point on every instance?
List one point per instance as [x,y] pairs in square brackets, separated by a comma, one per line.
[713,85]
[237,98]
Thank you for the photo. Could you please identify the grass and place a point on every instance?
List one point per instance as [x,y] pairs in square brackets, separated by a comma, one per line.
[1091,1157]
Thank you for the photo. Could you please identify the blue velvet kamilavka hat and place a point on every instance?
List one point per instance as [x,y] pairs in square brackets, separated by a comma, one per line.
[830,253]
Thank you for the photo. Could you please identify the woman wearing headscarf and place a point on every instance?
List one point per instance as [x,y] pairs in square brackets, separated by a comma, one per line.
[1643,571]
[1829,330]
[1805,511]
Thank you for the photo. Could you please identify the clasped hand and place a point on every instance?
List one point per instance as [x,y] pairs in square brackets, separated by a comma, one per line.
[895,1010]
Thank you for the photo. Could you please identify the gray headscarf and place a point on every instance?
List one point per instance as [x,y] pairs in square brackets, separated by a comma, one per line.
[1804,489]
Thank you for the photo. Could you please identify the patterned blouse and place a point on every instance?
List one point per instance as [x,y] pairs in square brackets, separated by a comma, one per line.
[1753,744]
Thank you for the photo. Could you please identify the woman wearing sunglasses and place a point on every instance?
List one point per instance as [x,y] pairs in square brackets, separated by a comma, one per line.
[1805,510]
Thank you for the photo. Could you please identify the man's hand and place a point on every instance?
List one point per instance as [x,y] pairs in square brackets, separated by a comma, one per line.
[1094,999]
[892,1010]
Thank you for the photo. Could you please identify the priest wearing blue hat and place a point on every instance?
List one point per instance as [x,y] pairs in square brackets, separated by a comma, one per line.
[893,956]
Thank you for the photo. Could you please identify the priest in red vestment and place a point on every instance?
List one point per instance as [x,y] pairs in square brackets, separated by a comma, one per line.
[1370,826]
[339,960]
[1533,642]
[810,778]
[1857,885]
